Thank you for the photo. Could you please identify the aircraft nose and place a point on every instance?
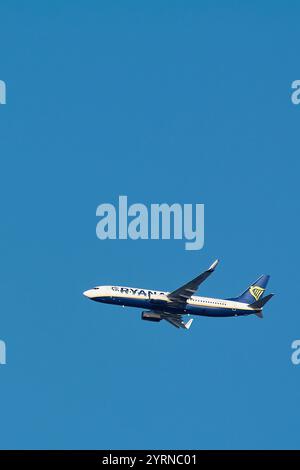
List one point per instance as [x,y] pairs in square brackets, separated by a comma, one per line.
[88,293]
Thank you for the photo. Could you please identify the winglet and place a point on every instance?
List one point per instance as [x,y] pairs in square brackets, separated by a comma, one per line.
[214,265]
[188,324]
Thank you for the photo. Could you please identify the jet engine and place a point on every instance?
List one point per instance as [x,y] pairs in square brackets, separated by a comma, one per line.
[151,316]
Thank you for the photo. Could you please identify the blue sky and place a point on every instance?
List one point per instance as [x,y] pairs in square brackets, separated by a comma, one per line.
[184,102]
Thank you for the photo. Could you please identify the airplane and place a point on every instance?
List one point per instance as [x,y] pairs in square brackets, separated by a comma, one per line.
[173,306]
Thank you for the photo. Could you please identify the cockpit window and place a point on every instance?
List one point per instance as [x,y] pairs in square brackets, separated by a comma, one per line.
[96,287]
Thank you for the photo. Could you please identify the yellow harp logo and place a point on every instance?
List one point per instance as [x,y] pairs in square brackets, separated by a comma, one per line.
[256,291]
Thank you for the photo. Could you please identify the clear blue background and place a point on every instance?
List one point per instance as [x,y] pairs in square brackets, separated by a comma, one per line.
[179,101]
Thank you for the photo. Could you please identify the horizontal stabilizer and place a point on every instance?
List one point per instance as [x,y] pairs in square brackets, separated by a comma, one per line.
[261,302]
[259,313]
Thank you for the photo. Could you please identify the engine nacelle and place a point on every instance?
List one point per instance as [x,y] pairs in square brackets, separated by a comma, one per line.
[151,316]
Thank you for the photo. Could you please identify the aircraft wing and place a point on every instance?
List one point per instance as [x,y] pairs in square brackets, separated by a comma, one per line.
[176,320]
[182,294]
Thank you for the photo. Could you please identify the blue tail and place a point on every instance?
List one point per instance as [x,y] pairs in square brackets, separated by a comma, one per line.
[255,291]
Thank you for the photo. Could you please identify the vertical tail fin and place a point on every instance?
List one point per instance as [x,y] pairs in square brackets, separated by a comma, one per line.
[255,291]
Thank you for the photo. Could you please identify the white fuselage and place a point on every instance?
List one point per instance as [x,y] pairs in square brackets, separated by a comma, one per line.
[158,300]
